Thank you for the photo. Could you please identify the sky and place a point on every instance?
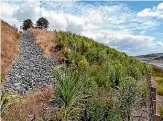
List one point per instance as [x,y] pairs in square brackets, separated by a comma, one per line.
[132,27]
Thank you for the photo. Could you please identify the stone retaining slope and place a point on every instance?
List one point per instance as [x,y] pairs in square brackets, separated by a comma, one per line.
[31,69]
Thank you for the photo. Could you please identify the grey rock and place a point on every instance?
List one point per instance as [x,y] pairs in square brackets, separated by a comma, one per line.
[31,69]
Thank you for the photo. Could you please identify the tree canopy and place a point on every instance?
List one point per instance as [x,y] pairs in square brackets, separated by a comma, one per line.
[42,23]
[27,24]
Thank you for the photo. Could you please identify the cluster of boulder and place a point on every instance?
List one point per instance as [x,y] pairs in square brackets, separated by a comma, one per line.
[32,69]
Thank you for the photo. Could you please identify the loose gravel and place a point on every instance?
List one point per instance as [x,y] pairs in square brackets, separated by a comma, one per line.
[31,70]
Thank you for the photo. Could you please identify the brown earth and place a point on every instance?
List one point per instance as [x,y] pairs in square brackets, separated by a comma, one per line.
[9,46]
[46,40]
[10,39]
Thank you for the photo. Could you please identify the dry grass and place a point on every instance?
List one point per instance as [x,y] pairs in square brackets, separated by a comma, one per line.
[160,110]
[46,40]
[9,46]
[32,106]
[157,72]
[159,85]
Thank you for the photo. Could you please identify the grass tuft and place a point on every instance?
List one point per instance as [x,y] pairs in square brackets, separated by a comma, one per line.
[159,85]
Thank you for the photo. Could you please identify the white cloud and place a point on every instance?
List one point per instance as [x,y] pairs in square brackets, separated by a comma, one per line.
[123,41]
[113,25]
[160,7]
[27,10]
[7,11]
[154,12]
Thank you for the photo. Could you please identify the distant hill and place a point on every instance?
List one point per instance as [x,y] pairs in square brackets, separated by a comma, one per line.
[154,55]
[151,57]
[156,59]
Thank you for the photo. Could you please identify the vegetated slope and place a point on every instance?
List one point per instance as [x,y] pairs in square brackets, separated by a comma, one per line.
[86,54]
[99,70]
[103,70]
[83,53]
[9,46]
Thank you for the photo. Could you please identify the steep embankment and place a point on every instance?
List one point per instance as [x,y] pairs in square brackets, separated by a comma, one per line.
[9,46]
[10,40]
[45,39]
[31,69]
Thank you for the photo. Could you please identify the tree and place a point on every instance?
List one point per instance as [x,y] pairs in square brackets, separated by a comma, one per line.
[27,24]
[42,23]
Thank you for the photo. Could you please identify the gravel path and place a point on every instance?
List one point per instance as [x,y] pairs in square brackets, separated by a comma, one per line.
[31,69]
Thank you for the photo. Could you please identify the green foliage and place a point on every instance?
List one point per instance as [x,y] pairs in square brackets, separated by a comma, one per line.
[143,91]
[159,85]
[83,64]
[27,24]
[68,92]
[159,80]
[160,89]
[110,77]
[127,97]
[6,99]
[81,50]
[42,23]
[157,72]
[96,110]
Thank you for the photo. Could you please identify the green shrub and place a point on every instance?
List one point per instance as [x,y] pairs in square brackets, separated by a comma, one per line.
[68,92]
[97,54]
[159,89]
[159,80]
[128,94]
[5,98]
[159,86]
[157,72]
[103,69]
[98,110]
[83,64]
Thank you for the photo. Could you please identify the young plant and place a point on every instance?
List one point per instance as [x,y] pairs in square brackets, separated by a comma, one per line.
[68,92]
[127,97]
[5,97]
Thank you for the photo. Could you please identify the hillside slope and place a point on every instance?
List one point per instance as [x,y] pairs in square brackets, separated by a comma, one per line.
[9,46]
[45,39]
[92,73]
[31,69]
[10,40]
[77,51]
[86,54]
